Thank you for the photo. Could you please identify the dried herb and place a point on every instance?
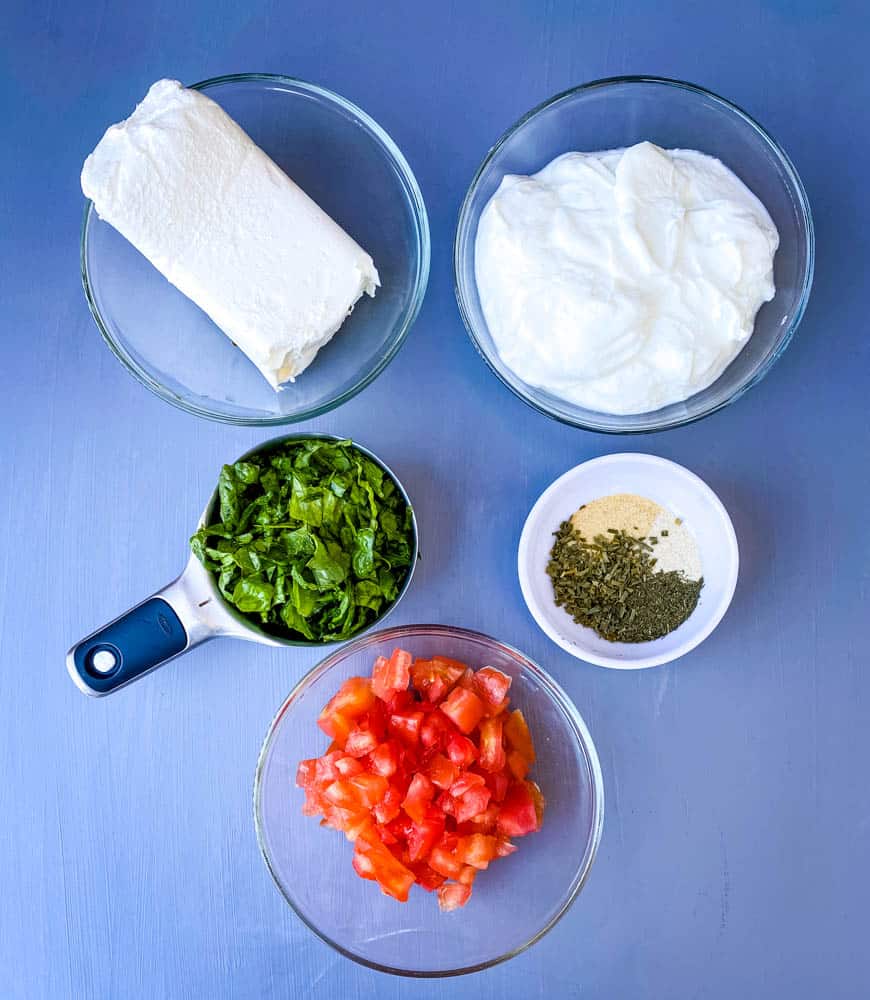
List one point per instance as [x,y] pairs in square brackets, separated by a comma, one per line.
[611,585]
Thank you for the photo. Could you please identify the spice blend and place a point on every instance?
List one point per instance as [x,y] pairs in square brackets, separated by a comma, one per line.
[627,568]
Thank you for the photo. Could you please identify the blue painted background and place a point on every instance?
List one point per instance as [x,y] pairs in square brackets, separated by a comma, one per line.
[737,836]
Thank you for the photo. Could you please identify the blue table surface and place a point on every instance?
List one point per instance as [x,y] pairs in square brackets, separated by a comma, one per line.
[737,833]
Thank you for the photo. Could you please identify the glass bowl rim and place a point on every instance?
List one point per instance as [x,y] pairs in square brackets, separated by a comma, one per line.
[555,693]
[423,240]
[781,156]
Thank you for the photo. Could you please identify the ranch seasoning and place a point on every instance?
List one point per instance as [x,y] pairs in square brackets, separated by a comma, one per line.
[626,567]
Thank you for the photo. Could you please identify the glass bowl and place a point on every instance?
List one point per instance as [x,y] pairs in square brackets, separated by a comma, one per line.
[347,163]
[515,902]
[613,113]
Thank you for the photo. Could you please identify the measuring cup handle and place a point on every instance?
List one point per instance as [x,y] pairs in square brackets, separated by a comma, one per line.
[143,638]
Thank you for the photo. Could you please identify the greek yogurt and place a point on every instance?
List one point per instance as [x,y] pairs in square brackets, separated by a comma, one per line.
[625,280]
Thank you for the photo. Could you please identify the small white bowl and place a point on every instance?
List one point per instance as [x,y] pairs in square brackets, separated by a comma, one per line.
[669,485]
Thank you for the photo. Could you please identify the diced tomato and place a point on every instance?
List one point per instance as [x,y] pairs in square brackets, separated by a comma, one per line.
[463,708]
[336,726]
[518,737]
[517,815]
[347,767]
[538,798]
[477,850]
[485,822]
[359,742]
[452,895]
[425,835]
[517,765]
[491,685]
[371,788]
[461,750]
[354,698]
[391,675]
[305,772]
[405,725]
[437,730]
[467,875]
[468,779]
[421,791]
[471,804]
[363,866]
[434,678]
[384,759]
[497,782]
[441,771]
[399,701]
[444,861]
[392,876]
[428,780]
[425,876]
[325,769]
[492,755]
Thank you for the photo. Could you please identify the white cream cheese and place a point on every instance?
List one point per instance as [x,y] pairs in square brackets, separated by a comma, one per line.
[193,193]
[624,280]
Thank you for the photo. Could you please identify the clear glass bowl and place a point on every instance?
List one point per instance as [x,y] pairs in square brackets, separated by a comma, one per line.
[347,163]
[515,902]
[610,114]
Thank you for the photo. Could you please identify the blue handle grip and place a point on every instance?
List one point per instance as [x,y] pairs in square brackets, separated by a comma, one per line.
[140,640]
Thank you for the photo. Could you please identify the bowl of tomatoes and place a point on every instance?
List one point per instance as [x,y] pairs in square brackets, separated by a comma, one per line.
[429,801]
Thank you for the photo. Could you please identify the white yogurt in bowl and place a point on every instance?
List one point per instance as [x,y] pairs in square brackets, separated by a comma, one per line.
[624,280]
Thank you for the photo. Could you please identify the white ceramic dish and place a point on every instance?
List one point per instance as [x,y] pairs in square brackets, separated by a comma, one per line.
[669,485]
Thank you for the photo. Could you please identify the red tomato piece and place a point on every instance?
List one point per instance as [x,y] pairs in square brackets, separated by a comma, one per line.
[491,685]
[441,771]
[434,678]
[325,769]
[391,875]
[485,822]
[363,866]
[471,804]
[477,850]
[467,875]
[497,782]
[353,699]
[444,862]
[425,876]
[347,767]
[406,725]
[461,750]
[342,793]
[517,765]
[305,772]
[391,675]
[518,737]
[504,847]
[452,895]
[517,815]
[425,835]
[335,725]
[492,755]
[421,791]
[466,780]
[437,730]
[463,708]
[384,759]
[445,803]
[399,701]
[371,788]
[538,798]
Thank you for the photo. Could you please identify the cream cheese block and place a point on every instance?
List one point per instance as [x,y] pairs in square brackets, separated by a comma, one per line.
[192,192]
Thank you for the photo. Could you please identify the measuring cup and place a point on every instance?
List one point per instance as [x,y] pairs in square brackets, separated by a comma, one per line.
[189,611]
